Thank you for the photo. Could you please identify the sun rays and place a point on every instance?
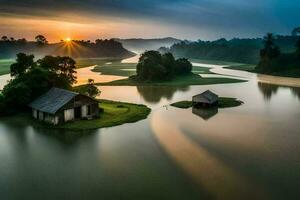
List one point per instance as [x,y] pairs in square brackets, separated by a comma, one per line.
[70,48]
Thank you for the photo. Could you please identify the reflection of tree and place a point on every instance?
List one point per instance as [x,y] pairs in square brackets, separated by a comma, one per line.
[267,90]
[205,113]
[296,92]
[153,94]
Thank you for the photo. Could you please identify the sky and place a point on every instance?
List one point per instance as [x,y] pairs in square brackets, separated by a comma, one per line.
[183,19]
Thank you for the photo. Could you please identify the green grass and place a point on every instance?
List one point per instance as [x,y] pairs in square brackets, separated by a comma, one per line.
[115,113]
[129,69]
[87,62]
[5,66]
[186,80]
[117,69]
[183,104]
[228,102]
[224,102]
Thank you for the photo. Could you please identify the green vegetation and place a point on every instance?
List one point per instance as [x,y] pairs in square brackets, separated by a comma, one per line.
[87,62]
[117,69]
[155,66]
[183,104]
[273,62]
[89,89]
[234,50]
[228,102]
[224,102]
[31,79]
[129,69]
[186,80]
[5,66]
[9,47]
[115,113]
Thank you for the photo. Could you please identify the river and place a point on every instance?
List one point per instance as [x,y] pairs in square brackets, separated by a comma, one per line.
[247,152]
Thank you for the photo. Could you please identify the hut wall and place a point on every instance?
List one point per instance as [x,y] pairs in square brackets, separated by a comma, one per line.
[69,115]
[34,113]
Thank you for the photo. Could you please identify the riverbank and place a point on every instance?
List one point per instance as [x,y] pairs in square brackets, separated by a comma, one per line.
[289,73]
[224,102]
[114,114]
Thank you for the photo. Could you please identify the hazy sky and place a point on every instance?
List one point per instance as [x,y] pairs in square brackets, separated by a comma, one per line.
[184,19]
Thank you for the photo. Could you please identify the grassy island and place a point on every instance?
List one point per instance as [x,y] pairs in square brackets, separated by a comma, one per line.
[114,114]
[185,80]
[224,102]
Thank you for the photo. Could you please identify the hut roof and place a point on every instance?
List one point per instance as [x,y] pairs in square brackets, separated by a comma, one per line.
[53,100]
[207,97]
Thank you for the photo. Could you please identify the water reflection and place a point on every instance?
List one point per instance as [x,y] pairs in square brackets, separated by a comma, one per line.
[154,94]
[211,173]
[296,92]
[205,113]
[269,90]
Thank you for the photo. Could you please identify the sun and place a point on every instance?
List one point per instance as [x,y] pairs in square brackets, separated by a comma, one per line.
[68,39]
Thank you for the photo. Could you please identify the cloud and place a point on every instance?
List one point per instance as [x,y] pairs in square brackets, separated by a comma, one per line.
[217,17]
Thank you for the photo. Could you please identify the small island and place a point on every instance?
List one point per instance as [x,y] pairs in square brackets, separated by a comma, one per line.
[208,100]
[156,69]
[113,113]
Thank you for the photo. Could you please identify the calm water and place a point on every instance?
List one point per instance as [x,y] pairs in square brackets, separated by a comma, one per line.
[248,152]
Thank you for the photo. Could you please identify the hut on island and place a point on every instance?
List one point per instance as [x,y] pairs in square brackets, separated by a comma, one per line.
[58,106]
[206,99]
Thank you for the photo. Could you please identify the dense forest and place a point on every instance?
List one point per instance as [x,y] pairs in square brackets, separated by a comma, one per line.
[275,62]
[234,50]
[9,47]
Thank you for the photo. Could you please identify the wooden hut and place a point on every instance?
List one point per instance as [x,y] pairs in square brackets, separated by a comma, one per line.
[206,99]
[58,106]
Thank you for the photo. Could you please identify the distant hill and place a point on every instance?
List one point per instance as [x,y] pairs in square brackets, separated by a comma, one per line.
[140,45]
[235,50]
[75,49]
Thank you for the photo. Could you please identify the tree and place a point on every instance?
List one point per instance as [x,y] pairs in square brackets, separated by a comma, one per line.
[63,67]
[183,66]
[4,38]
[270,50]
[16,94]
[154,66]
[23,63]
[149,66]
[41,40]
[91,89]
[168,61]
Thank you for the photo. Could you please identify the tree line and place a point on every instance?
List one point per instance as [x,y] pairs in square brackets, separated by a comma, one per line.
[234,50]
[10,46]
[272,59]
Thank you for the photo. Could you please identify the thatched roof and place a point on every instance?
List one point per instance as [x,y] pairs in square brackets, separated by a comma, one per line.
[206,97]
[53,100]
